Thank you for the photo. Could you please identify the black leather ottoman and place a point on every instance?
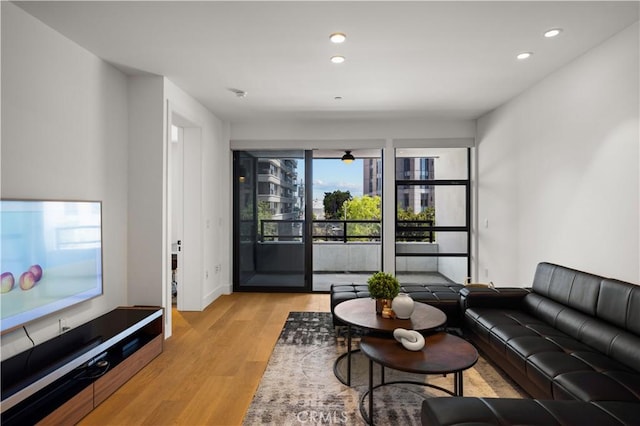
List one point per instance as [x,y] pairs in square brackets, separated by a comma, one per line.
[442,296]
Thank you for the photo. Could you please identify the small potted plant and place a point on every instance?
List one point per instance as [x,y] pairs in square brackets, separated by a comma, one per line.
[383,287]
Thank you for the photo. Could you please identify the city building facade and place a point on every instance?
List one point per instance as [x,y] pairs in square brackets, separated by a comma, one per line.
[416,198]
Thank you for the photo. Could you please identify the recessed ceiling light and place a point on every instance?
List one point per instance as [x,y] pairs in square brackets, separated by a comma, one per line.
[524,55]
[337,38]
[553,32]
[337,59]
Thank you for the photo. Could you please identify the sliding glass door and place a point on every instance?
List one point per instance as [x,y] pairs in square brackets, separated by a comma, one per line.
[271,251]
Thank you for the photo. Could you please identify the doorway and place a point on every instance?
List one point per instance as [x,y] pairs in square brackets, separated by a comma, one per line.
[177,209]
[184,233]
[347,217]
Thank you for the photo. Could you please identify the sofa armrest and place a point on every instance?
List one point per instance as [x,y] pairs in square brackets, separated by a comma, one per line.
[497,297]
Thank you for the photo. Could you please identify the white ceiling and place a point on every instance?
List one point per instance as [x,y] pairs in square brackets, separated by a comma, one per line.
[403,59]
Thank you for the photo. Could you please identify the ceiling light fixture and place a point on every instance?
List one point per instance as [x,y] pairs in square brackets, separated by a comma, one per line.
[347,158]
[553,32]
[524,55]
[337,59]
[337,38]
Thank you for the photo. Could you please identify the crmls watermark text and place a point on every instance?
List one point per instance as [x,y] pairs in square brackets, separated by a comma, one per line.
[322,417]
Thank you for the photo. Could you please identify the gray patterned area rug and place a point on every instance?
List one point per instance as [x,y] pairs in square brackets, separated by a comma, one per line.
[299,386]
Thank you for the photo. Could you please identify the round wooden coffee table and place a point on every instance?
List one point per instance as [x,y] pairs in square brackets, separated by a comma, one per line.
[442,354]
[362,313]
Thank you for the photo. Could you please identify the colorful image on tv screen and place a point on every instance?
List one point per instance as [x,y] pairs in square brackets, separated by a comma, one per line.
[50,257]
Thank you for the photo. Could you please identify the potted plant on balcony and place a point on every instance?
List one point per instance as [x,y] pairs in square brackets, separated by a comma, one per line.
[383,287]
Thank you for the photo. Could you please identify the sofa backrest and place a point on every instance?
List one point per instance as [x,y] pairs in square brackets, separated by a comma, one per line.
[600,312]
[619,304]
[567,286]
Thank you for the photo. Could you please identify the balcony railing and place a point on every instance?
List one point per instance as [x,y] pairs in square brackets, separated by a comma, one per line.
[344,230]
[415,230]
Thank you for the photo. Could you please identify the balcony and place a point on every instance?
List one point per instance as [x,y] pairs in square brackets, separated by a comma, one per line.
[345,251]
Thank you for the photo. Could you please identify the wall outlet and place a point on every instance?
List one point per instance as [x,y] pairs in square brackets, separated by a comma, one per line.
[63,325]
[206,275]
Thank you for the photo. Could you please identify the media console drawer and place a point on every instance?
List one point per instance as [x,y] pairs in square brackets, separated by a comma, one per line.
[110,382]
[125,340]
[72,411]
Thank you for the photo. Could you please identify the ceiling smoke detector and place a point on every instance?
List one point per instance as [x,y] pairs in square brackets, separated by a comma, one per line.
[239,93]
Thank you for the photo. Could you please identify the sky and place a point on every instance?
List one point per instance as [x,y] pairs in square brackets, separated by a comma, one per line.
[332,174]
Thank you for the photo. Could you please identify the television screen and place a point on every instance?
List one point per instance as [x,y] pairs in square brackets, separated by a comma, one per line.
[50,257]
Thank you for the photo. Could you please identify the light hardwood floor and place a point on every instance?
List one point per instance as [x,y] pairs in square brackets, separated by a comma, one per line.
[210,367]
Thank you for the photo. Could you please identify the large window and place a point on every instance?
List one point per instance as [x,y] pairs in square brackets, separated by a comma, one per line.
[433,213]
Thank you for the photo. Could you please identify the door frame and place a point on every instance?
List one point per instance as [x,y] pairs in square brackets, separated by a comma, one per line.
[192,287]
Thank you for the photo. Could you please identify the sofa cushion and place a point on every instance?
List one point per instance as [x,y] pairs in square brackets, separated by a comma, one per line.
[596,386]
[467,411]
[583,413]
[520,348]
[624,412]
[543,367]
[624,348]
[455,411]
[543,308]
[569,344]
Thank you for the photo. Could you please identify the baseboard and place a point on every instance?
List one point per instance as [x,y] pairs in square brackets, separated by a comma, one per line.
[212,296]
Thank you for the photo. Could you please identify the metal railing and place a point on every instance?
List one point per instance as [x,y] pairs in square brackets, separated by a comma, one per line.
[415,230]
[344,230]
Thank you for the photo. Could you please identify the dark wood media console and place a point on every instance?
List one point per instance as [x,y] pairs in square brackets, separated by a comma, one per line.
[63,379]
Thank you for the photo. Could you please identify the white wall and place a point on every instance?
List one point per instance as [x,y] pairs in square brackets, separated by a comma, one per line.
[147,140]
[64,136]
[558,171]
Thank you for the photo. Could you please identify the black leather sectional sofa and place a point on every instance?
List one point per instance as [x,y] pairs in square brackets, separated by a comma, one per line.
[572,341]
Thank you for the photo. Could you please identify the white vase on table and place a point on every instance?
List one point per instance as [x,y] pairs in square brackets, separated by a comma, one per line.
[402,306]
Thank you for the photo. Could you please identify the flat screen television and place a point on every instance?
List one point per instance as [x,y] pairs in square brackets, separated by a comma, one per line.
[50,257]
